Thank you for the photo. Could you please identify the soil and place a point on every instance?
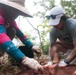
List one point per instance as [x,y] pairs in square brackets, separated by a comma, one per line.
[14,70]
[18,69]
[69,70]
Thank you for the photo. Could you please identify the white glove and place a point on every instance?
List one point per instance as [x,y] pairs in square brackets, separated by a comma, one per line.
[49,63]
[62,63]
[31,63]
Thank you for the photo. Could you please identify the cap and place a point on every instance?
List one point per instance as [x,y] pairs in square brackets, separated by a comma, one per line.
[55,15]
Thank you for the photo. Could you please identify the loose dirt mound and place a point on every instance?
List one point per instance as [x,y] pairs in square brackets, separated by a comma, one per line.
[69,70]
[21,70]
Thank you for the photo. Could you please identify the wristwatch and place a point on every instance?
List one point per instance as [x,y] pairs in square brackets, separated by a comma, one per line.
[66,61]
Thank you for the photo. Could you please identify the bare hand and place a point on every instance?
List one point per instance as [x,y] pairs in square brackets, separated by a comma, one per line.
[37,50]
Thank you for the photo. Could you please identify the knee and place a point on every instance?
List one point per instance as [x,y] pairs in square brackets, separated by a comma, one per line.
[55,48]
[11,32]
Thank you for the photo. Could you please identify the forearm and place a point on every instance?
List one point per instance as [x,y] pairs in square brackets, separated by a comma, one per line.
[72,55]
[12,50]
[54,54]
[28,43]
[24,39]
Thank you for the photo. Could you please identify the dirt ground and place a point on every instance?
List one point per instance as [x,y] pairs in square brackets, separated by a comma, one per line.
[9,69]
[69,70]
[14,70]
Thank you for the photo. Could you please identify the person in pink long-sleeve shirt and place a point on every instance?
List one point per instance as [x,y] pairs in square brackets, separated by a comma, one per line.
[9,11]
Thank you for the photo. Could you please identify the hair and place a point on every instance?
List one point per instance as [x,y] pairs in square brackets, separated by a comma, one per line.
[64,18]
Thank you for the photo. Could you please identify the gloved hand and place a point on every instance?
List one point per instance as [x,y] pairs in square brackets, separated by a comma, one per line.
[51,65]
[62,64]
[48,63]
[31,63]
[37,50]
